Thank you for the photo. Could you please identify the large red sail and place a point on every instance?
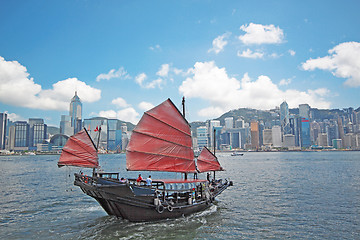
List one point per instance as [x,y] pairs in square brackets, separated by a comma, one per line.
[161,142]
[207,161]
[79,151]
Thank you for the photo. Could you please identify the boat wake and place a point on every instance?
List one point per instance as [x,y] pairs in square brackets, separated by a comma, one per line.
[112,227]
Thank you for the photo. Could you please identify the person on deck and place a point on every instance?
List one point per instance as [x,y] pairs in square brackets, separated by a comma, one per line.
[139,179]
[148,181]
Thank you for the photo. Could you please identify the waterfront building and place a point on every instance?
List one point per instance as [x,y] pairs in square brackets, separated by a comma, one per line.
[305,133]
[289,141]
[218,138]
[332,130]
[115,134]
[37,132]
[322,140]
[229,122]
[20,136]
[65,125]
[350,141]
[58,141]
[76,113]
[337,143]
[201,135]
[267,137]
[304,111]
[211,124]
[254,129]
[3,121]
[276,136]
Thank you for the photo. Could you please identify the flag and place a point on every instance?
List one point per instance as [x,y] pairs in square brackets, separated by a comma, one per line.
[96,129]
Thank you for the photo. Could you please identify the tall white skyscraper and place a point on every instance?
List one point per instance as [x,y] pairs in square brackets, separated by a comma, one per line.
[75,113]
[276,136]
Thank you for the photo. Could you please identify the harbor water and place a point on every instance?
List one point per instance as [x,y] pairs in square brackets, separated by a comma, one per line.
[276,195]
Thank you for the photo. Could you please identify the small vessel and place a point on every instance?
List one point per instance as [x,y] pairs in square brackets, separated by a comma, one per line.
[236,154]
[160,142]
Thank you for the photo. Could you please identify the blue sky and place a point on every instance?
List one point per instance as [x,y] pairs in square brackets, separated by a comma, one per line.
[123,57]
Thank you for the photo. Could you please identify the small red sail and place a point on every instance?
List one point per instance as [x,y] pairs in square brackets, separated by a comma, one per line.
[79,151]
[207,161]
[161,142]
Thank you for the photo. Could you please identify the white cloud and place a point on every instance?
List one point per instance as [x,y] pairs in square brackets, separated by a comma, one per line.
[139,79]
[120,102]
[120,73]
[128,114]
[18,89]
[14,117]
[156,47]
[224,93]
[285,82]
[145,106]
[292,52]
[219,43]
[343,62]
[250,54]
[157,82]
[164,70]
[108,114]
[261,34]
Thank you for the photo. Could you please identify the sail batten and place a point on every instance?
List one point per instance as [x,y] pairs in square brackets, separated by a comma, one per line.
[207,161]
[79,151]
[161,142]
[168,124]
[159,138]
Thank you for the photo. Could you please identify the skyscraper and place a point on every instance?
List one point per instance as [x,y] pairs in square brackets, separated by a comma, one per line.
[37,132]
[276,136]
[65,125]
[201,134]
[254,128]
[3,120]
[75,113]
[305,133]
[229,122]
[304,111]
[284,118]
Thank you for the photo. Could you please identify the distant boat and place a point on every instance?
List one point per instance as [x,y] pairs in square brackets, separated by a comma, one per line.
[160,142]
[30,153]
[236,154]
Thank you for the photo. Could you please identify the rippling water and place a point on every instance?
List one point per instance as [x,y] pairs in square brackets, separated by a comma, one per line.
[304,195]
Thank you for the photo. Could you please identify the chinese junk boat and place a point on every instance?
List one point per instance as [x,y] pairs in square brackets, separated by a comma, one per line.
[160,142]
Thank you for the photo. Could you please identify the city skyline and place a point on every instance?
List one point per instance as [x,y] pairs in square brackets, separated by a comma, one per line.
[125,57]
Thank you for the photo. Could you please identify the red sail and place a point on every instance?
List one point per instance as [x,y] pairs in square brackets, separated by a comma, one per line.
[161,142]
[207,161]
[79,151]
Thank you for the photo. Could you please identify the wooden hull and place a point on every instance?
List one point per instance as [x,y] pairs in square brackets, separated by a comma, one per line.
[119,200]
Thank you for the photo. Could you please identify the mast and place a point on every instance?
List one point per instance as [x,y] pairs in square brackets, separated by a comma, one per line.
[183,106]
[97,148]
[214,146]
